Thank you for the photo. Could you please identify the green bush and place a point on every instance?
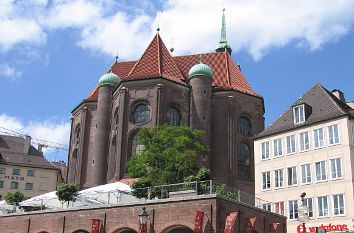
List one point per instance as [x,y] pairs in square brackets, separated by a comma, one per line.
[14,198]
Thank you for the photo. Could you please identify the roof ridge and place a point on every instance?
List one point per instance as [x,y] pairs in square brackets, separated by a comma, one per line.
[159,57]
[334,99]
[227,67]
[138,61]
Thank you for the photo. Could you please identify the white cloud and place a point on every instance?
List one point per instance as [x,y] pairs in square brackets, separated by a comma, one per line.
[116,34]
[48,130]
[9,72]
[72,14]
[256,26]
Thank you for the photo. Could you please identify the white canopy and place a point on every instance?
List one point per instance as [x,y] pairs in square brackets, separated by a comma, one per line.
[113,193]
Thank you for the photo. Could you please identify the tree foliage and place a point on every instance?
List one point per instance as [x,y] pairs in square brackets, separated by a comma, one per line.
[14,198]
[67,192]
[170,154]
[203,174]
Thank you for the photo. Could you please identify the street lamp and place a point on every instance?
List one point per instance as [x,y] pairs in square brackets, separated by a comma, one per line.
[143,216]
[302,211]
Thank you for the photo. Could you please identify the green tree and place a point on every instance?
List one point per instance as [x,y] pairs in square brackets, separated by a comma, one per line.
[67,192]
[170,154]
[14,198]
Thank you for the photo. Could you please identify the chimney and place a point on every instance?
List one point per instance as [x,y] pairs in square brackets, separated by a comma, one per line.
[27,144]
[339,95]
[40,148]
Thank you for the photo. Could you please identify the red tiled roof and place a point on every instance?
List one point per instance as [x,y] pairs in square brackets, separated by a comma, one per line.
[226,75]
[156,62]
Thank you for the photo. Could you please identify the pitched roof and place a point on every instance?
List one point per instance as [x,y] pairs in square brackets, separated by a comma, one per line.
[324,106]
[157,62]
[12,152]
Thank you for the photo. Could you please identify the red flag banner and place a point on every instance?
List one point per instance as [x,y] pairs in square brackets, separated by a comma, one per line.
[143,226]
[198,226]
[250,224]
[273,228]
[230,222]
[95,226]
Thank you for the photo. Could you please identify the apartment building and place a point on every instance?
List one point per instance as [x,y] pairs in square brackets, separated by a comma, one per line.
[309,148]
[24,168]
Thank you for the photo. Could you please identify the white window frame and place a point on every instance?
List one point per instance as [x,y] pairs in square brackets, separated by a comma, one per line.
[320,205]
[299,114]
[306,165]
[304,146]
[289,144]
[266,181]
[317,138]
[267,206]
[321,171]
[265,150]
[278,183]
[336,168]
[278,147]
[335,138]
[339,207]
[293,205]
[293,171]
[307,201]
[277,206]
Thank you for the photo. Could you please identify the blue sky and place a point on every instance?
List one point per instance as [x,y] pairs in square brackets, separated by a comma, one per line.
[52,53]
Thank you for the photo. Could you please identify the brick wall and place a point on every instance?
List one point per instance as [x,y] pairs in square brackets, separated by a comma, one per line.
[164,215]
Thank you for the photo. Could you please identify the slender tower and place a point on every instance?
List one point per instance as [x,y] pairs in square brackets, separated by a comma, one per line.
[107,83]
[223,45]
[200,78]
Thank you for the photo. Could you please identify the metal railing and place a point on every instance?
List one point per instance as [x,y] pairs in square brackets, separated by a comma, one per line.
[200,188]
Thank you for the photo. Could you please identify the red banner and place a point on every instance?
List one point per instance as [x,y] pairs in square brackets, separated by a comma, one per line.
[230,222]
[273,228]
[95,225]
[143,228]
[250,224]
[198,226]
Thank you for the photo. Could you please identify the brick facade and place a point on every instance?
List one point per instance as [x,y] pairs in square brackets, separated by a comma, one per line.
[164,216]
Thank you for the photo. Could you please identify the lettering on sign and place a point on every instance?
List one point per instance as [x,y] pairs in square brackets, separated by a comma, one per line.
[329,227]
[5,177]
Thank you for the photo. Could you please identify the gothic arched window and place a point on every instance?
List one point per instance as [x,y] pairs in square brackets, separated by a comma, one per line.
[137,148]
[141,114]
[174,116]
[243,161]
[244,126]
[116,119]
[77,136]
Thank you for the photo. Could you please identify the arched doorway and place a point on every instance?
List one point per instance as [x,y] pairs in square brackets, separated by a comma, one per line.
[125,230]
[179,229]
[81,231]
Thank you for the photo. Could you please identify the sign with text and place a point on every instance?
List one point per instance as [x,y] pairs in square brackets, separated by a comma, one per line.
[230,222]
[250,224]
[198,225]
[273,228]
[95,225]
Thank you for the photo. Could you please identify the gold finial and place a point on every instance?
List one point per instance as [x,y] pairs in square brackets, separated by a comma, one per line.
[117,57]
[158,27]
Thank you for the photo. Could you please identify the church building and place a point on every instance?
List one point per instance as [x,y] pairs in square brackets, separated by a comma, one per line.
[203,91]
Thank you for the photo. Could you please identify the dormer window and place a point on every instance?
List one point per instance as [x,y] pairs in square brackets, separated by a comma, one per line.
[299,114]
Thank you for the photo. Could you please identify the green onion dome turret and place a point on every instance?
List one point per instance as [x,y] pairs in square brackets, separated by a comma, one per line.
[109,79]
[200,69]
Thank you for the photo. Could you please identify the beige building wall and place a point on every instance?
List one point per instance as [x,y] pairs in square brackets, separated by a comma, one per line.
[344,150]
[31,181]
